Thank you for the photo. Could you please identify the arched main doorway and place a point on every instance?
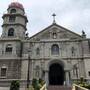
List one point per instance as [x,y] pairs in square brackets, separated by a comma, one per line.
[56,74]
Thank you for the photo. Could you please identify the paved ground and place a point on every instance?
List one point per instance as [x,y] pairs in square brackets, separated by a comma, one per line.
[4,88]
[7,88]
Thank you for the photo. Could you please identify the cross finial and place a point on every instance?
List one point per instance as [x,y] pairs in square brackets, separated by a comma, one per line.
[54,15]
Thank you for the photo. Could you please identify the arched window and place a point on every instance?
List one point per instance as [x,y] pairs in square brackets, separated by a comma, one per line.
[13,11]
[11,32]
[37,51]
[9,48]
[55,49]
[12,18]
[3,71]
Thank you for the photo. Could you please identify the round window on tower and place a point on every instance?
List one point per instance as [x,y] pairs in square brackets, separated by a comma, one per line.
[13,11]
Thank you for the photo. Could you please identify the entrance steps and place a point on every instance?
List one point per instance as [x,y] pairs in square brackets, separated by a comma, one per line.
[59,87]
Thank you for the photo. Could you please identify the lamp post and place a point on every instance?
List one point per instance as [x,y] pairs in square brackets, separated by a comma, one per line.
[28,72]
[76,68]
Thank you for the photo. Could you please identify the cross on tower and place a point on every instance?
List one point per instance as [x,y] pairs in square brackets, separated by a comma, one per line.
[54,15]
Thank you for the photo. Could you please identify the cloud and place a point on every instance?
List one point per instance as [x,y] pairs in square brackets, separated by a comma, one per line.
[72,14]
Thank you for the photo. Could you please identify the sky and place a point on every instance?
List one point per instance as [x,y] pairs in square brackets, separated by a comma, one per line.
[71,14]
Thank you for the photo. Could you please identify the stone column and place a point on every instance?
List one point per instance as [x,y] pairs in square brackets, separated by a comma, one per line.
[32,69]
[46,77]
[67,82]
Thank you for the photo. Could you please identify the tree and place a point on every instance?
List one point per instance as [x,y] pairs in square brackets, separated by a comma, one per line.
[15,84]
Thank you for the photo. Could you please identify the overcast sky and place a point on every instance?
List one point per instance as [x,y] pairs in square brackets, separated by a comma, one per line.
[71,14]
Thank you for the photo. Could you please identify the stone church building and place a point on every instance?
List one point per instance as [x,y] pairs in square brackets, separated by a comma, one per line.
[55,54]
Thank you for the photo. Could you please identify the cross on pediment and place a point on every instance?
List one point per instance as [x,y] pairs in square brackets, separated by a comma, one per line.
[54,15]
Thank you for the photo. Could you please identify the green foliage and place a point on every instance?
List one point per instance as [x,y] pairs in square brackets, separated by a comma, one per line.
[81,80]
[31,88]
[15,84]
[85,85]
[34,83]
[82,83]
[37,84]
[41,82]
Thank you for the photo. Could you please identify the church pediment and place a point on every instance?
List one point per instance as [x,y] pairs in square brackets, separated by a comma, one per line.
[55,31]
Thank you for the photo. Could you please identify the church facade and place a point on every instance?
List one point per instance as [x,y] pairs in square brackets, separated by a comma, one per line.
[55,54]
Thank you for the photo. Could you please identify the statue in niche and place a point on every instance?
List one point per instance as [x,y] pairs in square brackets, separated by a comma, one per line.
[54,35]
[73,51]
[38,51]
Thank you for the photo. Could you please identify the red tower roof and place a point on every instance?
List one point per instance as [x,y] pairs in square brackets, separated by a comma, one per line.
[16,5]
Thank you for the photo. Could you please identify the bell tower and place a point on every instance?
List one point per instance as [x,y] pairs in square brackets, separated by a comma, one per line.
[14,22]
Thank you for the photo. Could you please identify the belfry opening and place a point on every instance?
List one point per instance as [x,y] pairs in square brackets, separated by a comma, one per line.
[56,74]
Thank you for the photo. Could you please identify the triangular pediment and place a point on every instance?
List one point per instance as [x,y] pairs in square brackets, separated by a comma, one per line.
[55,31]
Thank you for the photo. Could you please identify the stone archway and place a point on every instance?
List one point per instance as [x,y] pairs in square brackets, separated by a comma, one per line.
[56,74]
